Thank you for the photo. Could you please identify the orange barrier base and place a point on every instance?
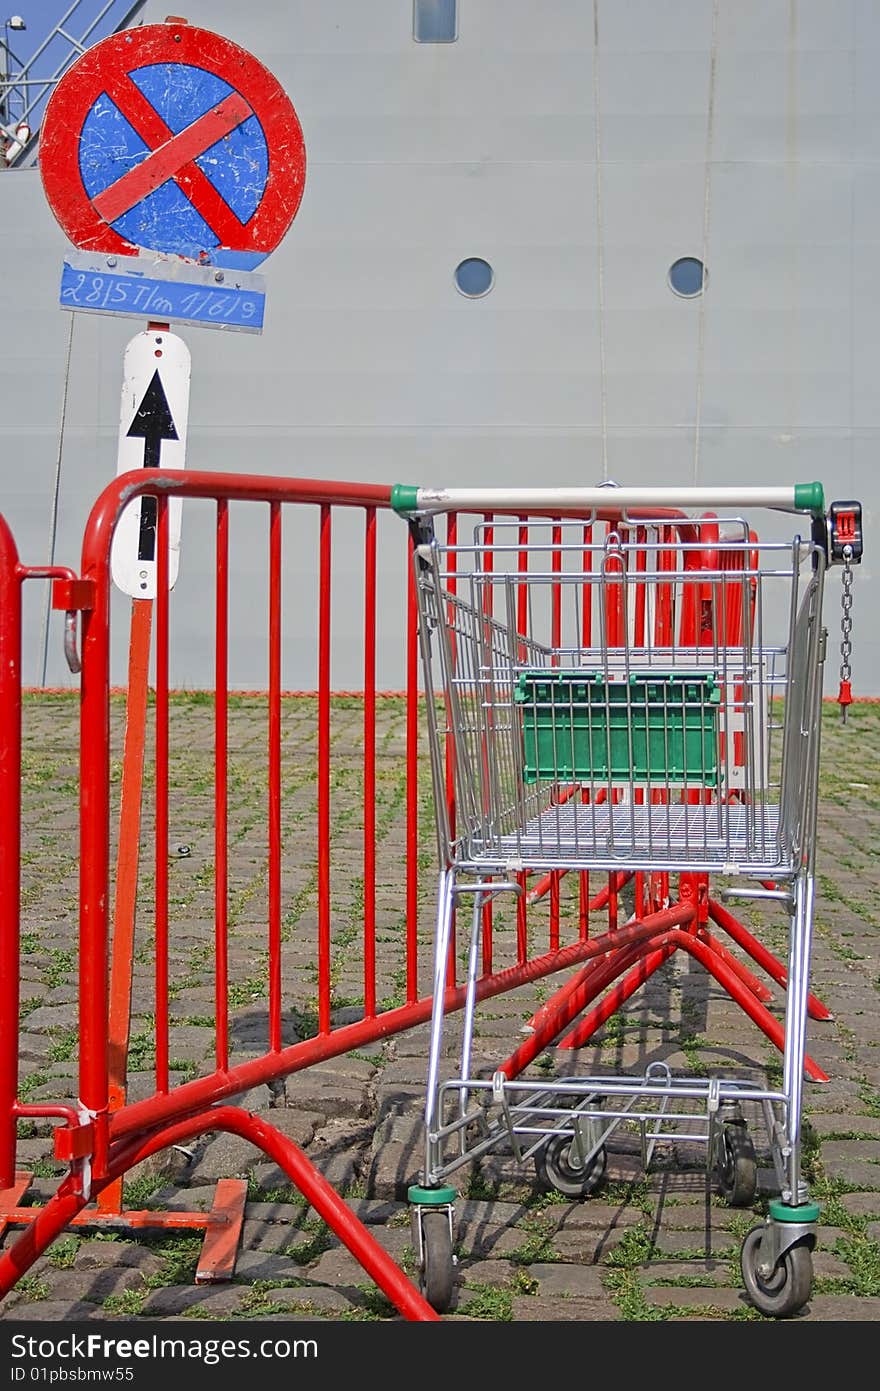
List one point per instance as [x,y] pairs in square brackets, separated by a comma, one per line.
[222,1224]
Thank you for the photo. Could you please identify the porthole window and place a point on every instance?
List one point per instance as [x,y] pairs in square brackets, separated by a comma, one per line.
[474,277]
[435,21]
[688,277]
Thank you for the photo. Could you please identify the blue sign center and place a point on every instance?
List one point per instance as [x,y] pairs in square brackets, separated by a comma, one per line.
[166,219]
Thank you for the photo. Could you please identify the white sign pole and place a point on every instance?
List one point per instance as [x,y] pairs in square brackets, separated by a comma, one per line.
[152,434]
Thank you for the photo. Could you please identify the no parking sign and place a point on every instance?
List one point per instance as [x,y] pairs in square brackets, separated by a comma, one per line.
[173,139]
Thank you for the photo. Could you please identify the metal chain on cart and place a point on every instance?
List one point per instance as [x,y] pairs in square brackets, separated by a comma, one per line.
[844,698]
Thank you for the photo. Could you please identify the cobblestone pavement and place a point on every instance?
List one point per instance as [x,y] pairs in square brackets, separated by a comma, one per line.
[660,1245]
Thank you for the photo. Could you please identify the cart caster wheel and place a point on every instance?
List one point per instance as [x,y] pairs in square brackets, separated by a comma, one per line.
[736,1165]
[557,1168]
[437,1272]
[787,1288]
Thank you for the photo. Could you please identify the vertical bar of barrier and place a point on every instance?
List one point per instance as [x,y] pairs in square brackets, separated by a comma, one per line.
[641,579]
[733,559]
[587,606]
[325,556]
[614,596]
[94,869]
[274,790]
[522,921]
[554,909]
[690,590]
[412,786]
[583,901]
[370,762]
[127,867]
[555,644]
[586,641]
[664,636]
[556,590]
[696,612]
[162,593]
[488,607]
[709,620]
[221,796]
[452,585]
[522,620]
[613,883]
[639,905]
[522,589]
[10,845]
[664,619]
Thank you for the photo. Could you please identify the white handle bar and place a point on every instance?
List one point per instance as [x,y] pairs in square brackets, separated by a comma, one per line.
[792,497]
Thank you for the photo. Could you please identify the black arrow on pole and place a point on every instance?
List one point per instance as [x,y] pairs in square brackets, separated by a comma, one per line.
[152,423]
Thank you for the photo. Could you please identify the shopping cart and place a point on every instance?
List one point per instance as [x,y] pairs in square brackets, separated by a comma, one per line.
[614,684]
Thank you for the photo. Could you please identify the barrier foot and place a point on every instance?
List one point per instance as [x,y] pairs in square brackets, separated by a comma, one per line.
[10,1198]
[223,1232]
[222,1224]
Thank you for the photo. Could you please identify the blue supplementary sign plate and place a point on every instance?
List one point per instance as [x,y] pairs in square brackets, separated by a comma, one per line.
[151,287]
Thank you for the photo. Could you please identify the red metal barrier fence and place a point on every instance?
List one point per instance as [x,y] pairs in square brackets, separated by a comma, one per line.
[100,1142]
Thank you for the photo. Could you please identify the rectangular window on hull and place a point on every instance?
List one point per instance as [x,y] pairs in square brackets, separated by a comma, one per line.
[435,21]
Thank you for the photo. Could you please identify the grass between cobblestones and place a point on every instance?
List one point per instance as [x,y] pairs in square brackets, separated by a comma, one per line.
[846,950]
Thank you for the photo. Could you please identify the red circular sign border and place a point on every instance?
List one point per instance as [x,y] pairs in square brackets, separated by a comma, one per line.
[81,86]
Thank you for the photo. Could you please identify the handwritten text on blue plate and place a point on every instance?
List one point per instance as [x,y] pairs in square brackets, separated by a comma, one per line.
[112,291]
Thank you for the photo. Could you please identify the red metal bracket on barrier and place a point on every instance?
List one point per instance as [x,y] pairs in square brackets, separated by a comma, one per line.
[73,1142]
[73,595]
[694,888]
